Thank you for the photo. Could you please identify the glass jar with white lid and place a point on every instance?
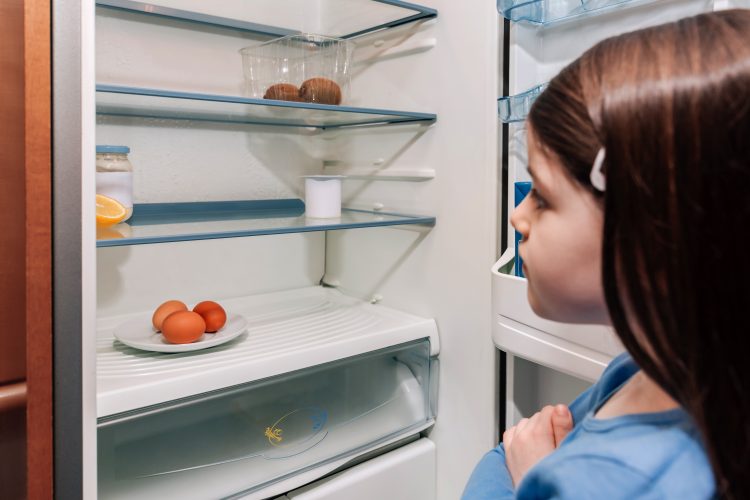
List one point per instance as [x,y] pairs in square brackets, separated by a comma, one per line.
[114,175]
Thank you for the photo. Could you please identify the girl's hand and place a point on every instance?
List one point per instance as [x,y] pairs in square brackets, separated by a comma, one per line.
[534,438]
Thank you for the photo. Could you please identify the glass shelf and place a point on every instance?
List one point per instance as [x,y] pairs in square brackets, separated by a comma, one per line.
[337,18]
[515,108]
[169,222]
[544,12]
[115,100]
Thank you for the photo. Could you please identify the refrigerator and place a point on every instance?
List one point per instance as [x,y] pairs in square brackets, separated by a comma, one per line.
[384,350]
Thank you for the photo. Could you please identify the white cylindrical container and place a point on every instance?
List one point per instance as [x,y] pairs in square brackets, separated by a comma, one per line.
[323,196]
[114,175]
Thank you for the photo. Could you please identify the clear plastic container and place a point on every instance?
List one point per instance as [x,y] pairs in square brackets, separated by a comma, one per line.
[544,12]
[114,175]
[515,108]
[301,68]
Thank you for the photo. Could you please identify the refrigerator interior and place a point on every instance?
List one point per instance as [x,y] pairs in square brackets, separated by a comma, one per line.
[550,362]
[393,284]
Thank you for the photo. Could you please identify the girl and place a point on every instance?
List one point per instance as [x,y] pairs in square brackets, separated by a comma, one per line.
[640,156]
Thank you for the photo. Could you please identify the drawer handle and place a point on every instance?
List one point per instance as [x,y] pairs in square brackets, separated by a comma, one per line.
[12,396]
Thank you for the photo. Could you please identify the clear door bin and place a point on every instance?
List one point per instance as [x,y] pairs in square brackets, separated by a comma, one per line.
[244,438]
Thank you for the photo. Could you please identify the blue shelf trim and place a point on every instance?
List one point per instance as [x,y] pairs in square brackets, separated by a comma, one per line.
[421,12]
[290,213]
[386,116]
[515,108]
[148,214]
[545,12]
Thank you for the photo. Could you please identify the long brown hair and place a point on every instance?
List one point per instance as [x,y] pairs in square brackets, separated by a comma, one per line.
[671,106]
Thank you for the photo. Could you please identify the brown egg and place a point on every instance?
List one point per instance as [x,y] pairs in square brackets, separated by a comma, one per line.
[212,313]
[165,310]
[183,327]
[320,90]
[282,92]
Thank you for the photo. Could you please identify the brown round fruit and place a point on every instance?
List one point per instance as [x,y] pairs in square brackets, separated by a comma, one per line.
[183,327]
[212,313]
[282,92]
[320,90]
[165,310]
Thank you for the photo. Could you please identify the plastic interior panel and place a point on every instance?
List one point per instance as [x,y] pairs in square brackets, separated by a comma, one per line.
[116,100]
[170,222]
[338,18]
[544,12]
[242,438]
[515,108]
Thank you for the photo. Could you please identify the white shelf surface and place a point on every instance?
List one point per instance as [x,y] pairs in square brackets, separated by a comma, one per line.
[287,331]
[579,350]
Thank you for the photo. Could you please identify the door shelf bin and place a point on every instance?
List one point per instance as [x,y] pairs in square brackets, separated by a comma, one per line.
[246,437]
[579,350]
[544,12]
[515,108]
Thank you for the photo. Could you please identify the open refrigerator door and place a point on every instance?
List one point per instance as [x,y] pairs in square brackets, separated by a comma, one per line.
[552,362]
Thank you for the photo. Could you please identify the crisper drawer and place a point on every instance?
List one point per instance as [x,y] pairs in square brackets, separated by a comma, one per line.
[247,437]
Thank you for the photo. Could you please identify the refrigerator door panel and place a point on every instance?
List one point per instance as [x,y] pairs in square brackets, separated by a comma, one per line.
[537,53]
[408,472]
[579,350]
[245,438]
[531,386]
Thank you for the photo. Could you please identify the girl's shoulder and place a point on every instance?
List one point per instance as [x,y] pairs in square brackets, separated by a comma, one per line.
[656,455]
[619,371]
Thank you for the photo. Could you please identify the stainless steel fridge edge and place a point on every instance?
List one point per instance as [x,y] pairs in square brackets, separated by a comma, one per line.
[73,262]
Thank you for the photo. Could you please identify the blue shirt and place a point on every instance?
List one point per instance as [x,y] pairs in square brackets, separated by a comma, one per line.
[645,455]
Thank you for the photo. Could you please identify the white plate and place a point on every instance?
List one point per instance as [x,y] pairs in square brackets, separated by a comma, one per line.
[140,334]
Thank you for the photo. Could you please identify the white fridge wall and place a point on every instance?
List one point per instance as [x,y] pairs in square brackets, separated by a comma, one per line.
[305,16]
[187,161]
[134,50]
[441,273]
[140,277]
[176,161]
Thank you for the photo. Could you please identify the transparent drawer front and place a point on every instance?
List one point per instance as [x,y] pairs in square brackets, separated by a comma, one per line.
[246,437]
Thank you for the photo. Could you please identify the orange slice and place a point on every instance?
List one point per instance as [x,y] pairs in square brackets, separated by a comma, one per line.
[108,211]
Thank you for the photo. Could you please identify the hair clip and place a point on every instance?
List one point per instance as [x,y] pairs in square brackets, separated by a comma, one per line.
[597,177]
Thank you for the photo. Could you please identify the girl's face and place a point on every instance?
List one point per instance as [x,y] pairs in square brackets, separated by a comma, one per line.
[561,225]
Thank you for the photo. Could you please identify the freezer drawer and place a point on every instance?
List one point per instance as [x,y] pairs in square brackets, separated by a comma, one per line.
[245,438]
